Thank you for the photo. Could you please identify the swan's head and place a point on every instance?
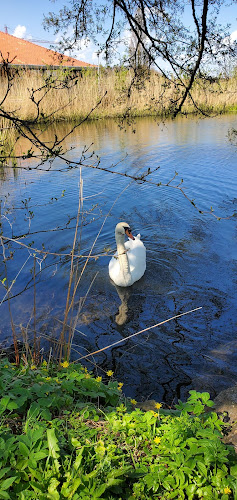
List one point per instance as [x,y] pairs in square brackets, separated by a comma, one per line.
[123,228]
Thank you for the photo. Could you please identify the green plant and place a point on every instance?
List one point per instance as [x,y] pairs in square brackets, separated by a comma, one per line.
[65,434]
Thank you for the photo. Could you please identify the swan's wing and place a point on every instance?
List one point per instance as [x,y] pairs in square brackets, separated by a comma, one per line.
[114,265]
[136,257]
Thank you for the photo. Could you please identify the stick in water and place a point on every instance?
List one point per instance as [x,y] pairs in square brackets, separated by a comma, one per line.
[137,333]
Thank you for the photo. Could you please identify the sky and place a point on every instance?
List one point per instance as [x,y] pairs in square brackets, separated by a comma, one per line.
[24,19]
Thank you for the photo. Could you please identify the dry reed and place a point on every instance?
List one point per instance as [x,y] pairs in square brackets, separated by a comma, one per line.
[7,139]
[75,100]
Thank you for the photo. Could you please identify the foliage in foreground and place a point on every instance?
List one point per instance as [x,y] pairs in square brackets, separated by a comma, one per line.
[65,434]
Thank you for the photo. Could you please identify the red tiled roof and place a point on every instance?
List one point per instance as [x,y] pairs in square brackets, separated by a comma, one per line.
[27,53]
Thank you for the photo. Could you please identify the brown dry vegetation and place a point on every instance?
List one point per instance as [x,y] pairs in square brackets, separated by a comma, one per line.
[153,97]
[7,139]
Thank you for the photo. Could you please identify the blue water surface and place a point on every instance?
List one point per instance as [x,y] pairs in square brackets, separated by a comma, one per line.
[191,256]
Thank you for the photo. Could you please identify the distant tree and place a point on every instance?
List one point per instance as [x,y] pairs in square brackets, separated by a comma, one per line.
[161,35]
[138,56]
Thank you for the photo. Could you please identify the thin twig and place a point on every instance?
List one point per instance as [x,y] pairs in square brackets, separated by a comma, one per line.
[137,333]
[14,280]
[71,273]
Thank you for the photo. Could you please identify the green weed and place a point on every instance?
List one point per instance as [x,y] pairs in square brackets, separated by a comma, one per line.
[65,434]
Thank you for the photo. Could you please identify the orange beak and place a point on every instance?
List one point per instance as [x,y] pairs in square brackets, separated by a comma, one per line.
[129,234]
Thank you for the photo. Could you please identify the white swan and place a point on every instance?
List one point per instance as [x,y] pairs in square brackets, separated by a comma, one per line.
[129,263]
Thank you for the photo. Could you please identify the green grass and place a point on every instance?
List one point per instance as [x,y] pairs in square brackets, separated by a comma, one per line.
[65,434]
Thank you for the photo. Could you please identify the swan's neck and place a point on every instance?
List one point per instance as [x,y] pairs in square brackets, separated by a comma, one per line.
[123,259]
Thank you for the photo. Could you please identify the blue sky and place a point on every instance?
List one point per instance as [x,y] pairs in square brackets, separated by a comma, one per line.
[24,18]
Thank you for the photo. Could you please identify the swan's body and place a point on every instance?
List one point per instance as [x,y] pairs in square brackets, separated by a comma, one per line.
[129,263]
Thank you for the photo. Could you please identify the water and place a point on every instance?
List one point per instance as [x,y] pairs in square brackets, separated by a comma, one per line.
[191,257]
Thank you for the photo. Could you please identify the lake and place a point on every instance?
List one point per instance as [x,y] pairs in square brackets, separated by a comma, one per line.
[191,256]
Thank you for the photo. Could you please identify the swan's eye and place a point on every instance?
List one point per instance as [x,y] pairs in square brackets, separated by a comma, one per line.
[128,229]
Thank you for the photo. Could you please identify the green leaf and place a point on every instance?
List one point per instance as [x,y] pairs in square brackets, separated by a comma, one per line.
[7,483]
[205,492]
[233,470]
[52,443]
[76,483]
[209,403]
[45,402]
[177,494]
[12,405]
[190,490]
[37,486]
[52,489]
[181,477]
[4,495]
[4,402]
[37,434]
[99,491]
[24,450]
[202,468]
[39,455]
[4,471]
[78,460]
[75,442]
[53,448]
[205,396]
[33,411]
[46,414]
[21,401]
[25,439]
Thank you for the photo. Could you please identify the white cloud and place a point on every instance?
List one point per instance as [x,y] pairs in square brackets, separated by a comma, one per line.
[20,31]
[84,50]
[231,39]
[233,36]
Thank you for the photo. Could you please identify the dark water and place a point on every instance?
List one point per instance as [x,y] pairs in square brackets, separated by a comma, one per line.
[191,257]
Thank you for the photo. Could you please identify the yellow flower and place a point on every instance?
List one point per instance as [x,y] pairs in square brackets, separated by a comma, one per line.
[48,378]
[44,363]
[5,366]
[87,375]
[133,401]
[109,373]
[227,490]
[33,367]
[158,405]
[155,414]
[120,384]
[98,379]
[157,440]
[65,364]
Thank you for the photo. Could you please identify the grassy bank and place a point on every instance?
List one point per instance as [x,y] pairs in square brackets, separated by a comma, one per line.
[76,99]
[67,434]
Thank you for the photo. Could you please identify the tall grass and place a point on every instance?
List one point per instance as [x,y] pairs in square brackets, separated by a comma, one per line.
[7,140]
[152,97]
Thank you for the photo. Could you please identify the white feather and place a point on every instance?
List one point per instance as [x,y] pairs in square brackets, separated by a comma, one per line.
[129,263]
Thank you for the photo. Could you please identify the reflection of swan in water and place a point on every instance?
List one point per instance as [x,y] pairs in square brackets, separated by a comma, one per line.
[122,316]
[129,263]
